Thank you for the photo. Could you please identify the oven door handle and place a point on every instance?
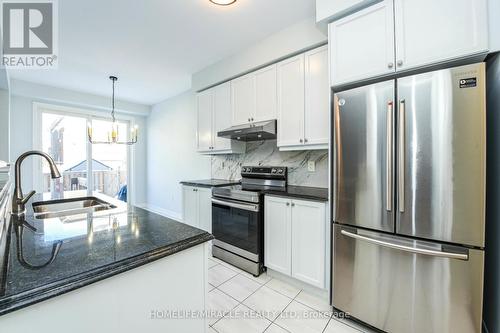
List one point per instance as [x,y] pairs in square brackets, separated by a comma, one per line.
[243,206]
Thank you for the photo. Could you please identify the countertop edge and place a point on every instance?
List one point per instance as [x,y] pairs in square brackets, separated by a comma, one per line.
[298,196]
[319,194]
[204,183]
[57,288]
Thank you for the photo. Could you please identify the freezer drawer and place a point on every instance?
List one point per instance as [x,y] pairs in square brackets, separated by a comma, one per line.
[402,285]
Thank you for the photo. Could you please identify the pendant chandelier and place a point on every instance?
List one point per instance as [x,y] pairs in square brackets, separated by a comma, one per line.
[113,134]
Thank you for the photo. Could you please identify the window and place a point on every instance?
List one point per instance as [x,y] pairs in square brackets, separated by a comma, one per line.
[63,135]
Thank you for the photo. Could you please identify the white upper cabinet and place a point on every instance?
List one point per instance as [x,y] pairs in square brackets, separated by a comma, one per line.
[243,99]
[362,44]
[317,98]
[222,115]
[205,110]
[254,96]
[291,96]
[214,115]
[335,9]
[430,31]
[266,96]
[304,101]
[399,35]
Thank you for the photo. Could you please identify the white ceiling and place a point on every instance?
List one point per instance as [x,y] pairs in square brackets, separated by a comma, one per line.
[154,46]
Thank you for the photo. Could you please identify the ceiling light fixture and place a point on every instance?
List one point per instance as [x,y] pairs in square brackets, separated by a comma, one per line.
[223,2]
[113,135]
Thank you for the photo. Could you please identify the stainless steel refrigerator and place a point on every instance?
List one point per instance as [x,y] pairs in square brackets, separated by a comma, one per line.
[409,201]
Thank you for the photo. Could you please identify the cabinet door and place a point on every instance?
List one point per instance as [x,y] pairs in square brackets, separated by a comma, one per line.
[266,94]
[277,235]
[429,31]
[205,209]
[362,44]
[308,242]
[190,206]
[205,110]
[222,115]
[243,99]
[291,101]
[317,98]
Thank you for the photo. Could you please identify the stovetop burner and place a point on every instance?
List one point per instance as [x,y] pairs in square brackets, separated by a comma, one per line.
[255,180]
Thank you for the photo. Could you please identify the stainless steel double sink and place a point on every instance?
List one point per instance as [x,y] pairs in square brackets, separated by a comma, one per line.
[67,207]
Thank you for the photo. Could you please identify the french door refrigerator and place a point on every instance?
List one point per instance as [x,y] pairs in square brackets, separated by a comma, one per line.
[409,201]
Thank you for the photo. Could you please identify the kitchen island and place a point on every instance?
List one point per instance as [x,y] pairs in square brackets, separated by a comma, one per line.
[121,269]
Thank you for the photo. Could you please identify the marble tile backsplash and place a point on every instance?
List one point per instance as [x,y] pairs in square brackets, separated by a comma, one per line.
[266,153]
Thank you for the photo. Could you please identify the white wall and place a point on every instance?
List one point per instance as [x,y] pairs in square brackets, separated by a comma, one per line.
[4,114]
[75,98]
[494,24]
[172,155]
[328,10]
[21,125]
[302,35]
[4,124]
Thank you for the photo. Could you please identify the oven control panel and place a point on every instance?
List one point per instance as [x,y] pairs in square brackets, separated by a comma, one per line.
[264,172]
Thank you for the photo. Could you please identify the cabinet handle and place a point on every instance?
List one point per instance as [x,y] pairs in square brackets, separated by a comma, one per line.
[400,63]
[293,205]
[248,119]
[288,204]
[305,140]
[251,119]
[300,140]
[390,65]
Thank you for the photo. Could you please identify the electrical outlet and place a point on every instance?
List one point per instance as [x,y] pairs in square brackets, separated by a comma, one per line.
[311,166]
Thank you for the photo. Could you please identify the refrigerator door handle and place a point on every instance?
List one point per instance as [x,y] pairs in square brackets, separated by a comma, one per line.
[428,252]
[389,145]
[401,155]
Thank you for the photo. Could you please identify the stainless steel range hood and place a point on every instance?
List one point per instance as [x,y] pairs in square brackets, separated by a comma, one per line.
[265,130]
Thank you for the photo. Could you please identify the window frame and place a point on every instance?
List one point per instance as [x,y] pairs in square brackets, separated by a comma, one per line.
[89,114]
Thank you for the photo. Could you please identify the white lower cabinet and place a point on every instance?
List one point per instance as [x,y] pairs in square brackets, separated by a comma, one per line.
[308,241]
[277,235]
[197,207]
[295,238]
[205,209]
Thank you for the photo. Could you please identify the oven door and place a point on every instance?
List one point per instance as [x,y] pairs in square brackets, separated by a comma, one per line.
[237,227]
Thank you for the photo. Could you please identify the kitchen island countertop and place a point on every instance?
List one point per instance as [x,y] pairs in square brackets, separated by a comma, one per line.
[44,258]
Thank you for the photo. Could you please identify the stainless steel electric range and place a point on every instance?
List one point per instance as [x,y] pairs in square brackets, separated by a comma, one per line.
[238,217]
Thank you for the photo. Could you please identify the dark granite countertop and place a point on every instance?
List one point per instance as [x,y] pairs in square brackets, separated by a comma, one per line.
[210,182]
[92,246]
[301,192]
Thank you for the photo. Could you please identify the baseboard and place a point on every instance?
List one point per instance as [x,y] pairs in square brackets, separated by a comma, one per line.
[161,211]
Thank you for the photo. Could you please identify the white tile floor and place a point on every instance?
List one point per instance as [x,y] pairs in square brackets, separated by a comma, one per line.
[246,304]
